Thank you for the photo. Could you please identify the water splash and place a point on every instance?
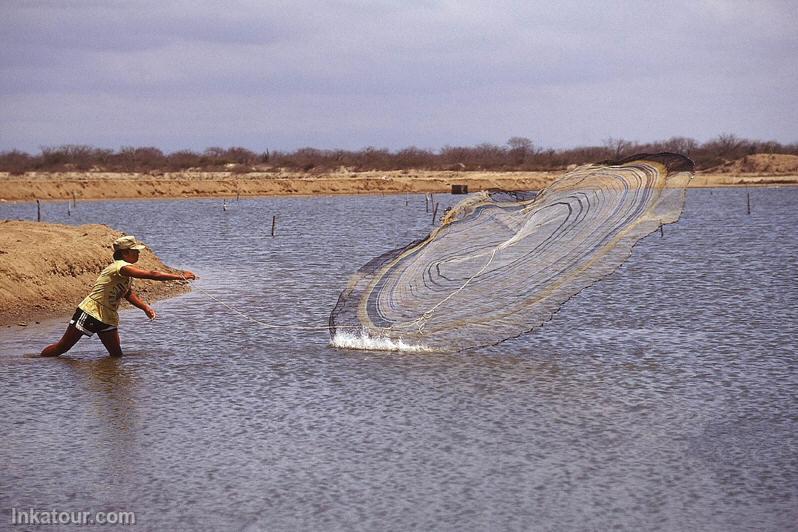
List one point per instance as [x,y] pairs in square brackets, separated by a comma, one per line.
[362,341]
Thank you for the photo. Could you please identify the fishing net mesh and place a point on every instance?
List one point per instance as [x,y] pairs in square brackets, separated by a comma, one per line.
[501,264]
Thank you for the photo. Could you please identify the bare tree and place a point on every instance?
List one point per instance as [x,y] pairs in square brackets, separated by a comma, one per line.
[618,147]
[727,143]
[521,148]
[683,145]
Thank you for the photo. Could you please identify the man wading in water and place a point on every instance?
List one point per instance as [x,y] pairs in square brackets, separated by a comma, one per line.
[98,312]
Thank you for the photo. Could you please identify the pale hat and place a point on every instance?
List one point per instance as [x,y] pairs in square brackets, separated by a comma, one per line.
[127,242]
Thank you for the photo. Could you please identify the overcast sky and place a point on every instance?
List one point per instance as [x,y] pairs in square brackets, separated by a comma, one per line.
[349,74]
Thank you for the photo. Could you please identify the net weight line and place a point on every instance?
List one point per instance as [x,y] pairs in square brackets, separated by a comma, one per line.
[267,325]
[418,322]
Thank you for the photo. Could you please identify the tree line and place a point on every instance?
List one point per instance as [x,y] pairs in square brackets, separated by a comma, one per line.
[519,153]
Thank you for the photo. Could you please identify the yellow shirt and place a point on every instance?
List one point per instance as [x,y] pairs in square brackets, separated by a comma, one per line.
[109,288]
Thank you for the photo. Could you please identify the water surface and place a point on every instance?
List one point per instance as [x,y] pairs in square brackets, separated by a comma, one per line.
[662,398]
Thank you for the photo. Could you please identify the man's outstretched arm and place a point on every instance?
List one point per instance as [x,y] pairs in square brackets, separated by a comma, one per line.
[138,273]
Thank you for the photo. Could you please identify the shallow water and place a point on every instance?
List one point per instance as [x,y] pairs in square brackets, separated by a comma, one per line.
[662,398]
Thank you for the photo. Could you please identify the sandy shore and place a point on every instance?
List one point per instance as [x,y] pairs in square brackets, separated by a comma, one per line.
[47,269]
[101,185]
[223,184]
[742,180]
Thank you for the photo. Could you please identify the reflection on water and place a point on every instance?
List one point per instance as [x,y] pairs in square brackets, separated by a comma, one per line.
[662,398]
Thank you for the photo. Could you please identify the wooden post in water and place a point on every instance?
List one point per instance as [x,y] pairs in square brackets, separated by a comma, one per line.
[426,202]
[748,196]
[274,224]
[38,211]
[69,210]
[661,231]
[434,212]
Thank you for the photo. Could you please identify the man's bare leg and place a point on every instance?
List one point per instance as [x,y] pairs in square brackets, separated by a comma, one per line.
[110,340]
[70,338]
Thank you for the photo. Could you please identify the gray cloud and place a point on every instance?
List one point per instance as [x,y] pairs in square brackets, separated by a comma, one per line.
[350,74]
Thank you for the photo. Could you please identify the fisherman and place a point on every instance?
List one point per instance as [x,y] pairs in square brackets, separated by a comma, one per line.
[97,313]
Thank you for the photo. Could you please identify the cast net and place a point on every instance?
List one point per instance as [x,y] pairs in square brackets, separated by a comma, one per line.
[502,263]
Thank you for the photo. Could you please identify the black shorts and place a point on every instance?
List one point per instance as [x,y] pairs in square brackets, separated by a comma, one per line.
[88,324]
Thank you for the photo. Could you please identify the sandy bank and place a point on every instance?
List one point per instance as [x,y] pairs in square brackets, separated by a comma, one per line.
[102,185]
[47,269]
[742,180]
[87,185]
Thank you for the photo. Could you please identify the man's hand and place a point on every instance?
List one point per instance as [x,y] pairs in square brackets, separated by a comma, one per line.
[150,312]
[189,276]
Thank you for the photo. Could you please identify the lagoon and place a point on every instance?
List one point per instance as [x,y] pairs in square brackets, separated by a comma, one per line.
[661,398]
